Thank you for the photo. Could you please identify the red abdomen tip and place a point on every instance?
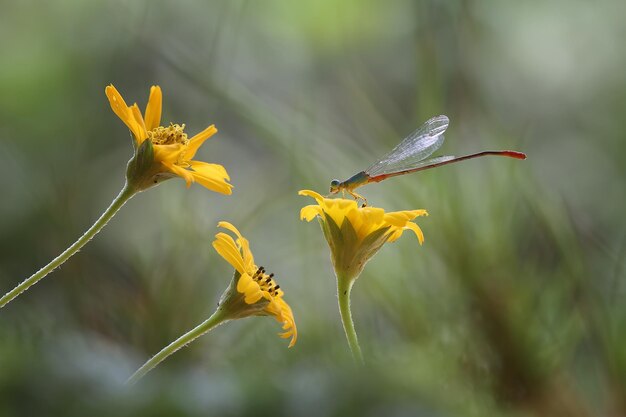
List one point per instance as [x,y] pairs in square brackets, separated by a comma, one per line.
[514,154]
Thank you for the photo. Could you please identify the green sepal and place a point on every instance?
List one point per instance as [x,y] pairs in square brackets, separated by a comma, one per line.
[142,162]
[145,155]
[348,233]
[332,232]
[232,303]
[371,244]
[142,172]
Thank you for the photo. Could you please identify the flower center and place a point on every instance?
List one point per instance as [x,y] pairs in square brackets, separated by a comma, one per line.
[266,282]
[170,135]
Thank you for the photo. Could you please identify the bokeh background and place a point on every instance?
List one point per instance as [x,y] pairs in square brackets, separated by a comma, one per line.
[514,306]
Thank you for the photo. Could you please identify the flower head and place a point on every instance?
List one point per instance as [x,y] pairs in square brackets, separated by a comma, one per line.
[165,152]
[252,292]
[354,233]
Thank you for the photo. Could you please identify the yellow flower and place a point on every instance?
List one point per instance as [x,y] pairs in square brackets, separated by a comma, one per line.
[252,291]
[354,233]
[165,152]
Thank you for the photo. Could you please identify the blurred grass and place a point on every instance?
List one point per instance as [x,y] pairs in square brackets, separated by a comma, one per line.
[514,304]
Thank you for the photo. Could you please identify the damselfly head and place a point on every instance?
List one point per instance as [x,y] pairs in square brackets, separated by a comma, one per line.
[334,186]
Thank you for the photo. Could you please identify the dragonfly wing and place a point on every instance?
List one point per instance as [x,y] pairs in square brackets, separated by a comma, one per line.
[414,148]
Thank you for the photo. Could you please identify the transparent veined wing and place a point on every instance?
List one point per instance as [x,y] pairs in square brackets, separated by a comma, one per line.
[432,162]
[413,149]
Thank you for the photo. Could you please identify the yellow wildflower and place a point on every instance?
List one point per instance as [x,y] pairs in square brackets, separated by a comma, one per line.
[355,233]
[165,152]
[252,291]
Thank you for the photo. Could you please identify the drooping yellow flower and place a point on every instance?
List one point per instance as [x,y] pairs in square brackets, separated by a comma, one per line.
[252,291]
[165,152]
[355,233]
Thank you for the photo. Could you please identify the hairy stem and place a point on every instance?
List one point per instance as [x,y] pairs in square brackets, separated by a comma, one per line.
[215,320]
[124,195]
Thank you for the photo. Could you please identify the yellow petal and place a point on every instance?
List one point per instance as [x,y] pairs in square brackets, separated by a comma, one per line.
[168,153]
[118,105]
[366,220]
[181,172]
[248,259]
[417,230]
[339,209]
[400,218]
[244,281]
[246,284]
[336,208]
[212,183]
[153,108]
[308,213]
[207,169]
[225,246]
[373,214]
[313,194]
[253,297]
[273,308]
[137,115]
[394,235]
[134,109]
[288,321]
[198,140]
[231,227]
[121,109]
[249,288]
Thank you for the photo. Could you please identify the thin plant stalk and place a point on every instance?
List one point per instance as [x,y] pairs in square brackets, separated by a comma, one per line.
[215,320]
[344,287]
[124,195]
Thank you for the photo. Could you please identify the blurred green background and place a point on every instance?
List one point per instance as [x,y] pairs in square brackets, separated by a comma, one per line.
[515,305]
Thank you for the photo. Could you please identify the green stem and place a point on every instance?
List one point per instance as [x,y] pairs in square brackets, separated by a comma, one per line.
[124,195]
[344,287]
[215,320]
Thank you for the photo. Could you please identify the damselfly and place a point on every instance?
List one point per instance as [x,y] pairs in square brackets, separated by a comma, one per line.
[410,156]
